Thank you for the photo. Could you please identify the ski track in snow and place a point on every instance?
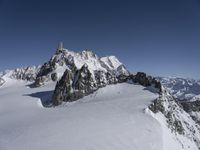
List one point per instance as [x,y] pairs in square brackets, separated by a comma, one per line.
[112,118]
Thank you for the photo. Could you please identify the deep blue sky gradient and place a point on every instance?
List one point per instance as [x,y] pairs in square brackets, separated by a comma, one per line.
[160,37]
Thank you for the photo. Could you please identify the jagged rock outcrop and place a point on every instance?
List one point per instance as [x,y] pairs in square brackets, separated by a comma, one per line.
[83,80]
[104,78]
[192,108]
[54,76]
[159,105]
[189,106]
[75,85]
[142,79]
[63,89]
[46,72]
[145,80]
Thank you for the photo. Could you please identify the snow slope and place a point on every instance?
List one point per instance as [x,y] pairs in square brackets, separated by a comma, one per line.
[112,118]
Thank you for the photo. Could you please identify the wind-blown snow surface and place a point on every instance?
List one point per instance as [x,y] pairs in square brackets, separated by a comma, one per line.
[112,118]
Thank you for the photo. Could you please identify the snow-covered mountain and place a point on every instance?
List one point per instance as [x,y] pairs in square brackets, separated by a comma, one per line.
[182,89]
[98,104]
[24,73]
[65,59]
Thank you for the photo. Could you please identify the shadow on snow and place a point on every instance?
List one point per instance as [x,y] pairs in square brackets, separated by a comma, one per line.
[45,97]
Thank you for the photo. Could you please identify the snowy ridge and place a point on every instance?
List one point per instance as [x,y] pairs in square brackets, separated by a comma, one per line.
[181,129]
[111,62]
[91,59]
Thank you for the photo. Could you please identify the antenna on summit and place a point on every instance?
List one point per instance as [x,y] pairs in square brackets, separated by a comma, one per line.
[60,47]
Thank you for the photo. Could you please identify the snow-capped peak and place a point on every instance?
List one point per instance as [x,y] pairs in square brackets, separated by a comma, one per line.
[111,61]
[66,59]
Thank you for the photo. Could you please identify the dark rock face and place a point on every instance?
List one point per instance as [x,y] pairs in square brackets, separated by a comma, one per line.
[104,78]
[157,106]
[144,80]
[44,73]
[83,81]
[111,78]
[63,89]
[100,78]
[54,76]
[123,78]
[45,69]
[72,87]
[190,106]
[157,84]
[79,83]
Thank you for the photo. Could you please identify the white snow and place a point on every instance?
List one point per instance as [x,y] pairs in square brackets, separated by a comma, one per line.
[112,118]
[92,60]
[111,61]
[84,57]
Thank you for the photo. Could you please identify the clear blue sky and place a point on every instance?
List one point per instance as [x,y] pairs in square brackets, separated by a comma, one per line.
[160,37]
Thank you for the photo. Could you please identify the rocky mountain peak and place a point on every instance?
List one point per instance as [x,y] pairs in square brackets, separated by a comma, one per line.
[65,59]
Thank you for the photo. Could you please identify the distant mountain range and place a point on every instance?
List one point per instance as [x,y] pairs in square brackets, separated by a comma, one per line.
[182,89]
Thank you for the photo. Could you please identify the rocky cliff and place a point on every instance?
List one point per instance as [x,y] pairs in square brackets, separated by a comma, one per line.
[75,85]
